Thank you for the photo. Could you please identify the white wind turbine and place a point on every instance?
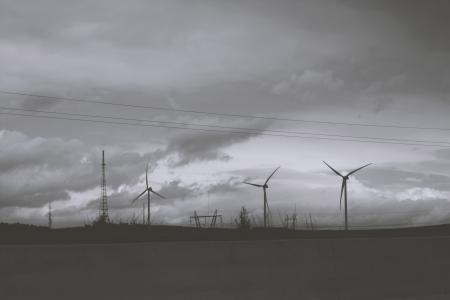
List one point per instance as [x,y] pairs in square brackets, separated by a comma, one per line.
[148,190]
[344,188]
[264,187]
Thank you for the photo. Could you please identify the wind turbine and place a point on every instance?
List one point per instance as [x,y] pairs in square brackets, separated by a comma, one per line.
[344,188]
[264,187]
[148,190]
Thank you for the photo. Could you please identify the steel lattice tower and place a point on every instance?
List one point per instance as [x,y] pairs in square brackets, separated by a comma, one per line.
[103,208]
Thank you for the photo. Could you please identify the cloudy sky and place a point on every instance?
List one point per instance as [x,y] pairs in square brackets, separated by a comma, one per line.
[383,62]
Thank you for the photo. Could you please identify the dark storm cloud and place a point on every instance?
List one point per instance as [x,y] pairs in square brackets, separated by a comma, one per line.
[155,43]
[125,166]
[194,147]
[232,184]
[36,170]
[428,22]
[20,151]
[421,49]
[231,49]
[443,155]
[176,190]
[36,103]
[117,200]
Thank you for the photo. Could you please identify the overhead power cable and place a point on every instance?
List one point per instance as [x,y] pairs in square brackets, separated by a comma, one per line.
[223,131]
[256,130]
[79,100]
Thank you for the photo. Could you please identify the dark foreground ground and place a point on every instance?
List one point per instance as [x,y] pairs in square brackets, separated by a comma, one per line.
[126,233]
[320,268]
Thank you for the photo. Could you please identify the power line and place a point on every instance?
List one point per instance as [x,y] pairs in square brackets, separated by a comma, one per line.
[257,130]
[79,100]
[223,131]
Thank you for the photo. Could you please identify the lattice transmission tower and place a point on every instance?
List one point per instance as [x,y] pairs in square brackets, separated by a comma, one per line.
[103,207]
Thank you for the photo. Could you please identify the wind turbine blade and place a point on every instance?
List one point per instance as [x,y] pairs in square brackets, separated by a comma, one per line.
[271,176]
[146,175]
[342,191]
[356,170]
[258,185]
[139,196]
[339,174]
[157,194]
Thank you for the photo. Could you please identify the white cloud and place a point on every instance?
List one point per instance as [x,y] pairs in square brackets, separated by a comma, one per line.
[309,83]
[418,193]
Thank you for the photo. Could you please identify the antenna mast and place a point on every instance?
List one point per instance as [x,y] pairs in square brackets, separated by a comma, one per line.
[103,209]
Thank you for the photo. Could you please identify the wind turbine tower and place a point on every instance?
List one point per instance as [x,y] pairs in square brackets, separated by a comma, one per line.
[143,212]
[264,187]
[344,188]
[103,207]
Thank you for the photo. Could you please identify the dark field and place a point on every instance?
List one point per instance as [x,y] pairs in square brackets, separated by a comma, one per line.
[126,233]
[309,268]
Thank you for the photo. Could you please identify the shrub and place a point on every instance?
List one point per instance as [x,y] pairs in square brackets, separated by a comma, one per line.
[243,221]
